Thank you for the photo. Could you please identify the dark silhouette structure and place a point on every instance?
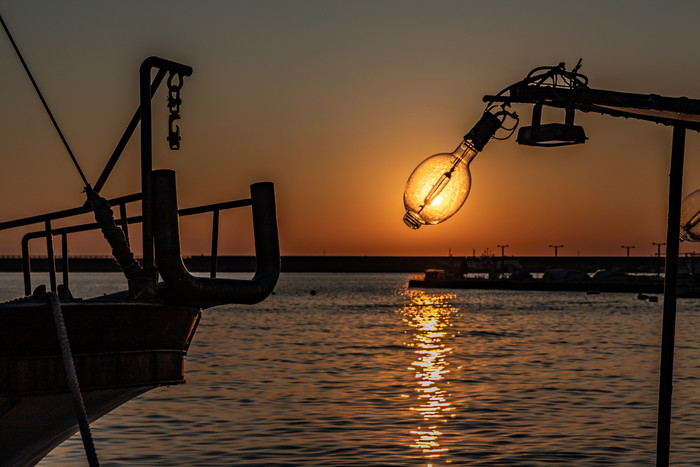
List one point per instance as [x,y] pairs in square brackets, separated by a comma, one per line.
[126,343]
[557,87]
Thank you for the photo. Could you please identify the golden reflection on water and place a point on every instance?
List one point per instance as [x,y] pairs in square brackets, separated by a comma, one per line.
[429,317]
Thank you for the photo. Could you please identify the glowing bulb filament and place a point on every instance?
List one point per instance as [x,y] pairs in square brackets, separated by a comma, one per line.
[692,222]
[436,201]
[434,194]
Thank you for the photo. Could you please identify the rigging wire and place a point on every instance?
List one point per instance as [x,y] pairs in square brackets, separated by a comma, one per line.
[46,106]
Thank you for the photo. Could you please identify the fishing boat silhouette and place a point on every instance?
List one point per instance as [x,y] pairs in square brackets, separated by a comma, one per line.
[66,361]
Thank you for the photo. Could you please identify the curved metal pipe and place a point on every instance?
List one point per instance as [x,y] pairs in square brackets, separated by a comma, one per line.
[180,284]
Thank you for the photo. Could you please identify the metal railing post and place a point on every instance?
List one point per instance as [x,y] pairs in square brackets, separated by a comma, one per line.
[26,266]
[64,258]
[123,221]
[50,256]
[214,242]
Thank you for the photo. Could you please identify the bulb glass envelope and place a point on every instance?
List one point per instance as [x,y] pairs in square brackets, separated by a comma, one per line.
[438,187]
[690,218]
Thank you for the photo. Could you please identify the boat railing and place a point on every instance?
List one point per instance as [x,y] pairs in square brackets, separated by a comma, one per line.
[142,277]
[123,221]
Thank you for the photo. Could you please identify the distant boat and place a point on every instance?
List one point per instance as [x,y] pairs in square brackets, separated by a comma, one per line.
[558,280]
[126,343]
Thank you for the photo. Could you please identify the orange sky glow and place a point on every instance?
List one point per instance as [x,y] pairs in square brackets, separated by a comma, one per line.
[337,102]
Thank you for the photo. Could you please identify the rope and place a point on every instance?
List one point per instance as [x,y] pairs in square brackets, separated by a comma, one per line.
[72,379]
[43,101]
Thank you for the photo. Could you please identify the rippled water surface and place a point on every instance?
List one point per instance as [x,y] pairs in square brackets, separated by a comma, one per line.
[367,372]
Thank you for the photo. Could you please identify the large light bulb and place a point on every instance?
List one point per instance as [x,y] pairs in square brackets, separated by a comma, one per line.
[690,218]
[439,186]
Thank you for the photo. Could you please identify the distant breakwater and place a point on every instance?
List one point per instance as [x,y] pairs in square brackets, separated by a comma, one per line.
[637,264]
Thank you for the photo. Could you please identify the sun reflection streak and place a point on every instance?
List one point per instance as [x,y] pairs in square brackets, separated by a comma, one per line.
[429,317]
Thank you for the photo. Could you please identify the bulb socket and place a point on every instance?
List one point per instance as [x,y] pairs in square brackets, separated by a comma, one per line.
[484,129]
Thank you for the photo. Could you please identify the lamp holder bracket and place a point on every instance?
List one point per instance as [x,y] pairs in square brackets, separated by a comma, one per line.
[551,134]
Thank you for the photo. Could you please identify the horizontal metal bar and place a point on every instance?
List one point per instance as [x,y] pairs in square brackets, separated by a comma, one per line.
[215,207]
[169,65]
[137,219]
[75,228]
[605,97]
[65,213]
[617,104]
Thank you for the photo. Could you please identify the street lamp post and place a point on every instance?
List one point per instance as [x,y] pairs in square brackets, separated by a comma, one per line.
[627,261]
[658,256]
[556,251]
[503,256]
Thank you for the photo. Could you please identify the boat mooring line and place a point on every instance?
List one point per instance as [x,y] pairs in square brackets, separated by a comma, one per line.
[43,101]
[72,379]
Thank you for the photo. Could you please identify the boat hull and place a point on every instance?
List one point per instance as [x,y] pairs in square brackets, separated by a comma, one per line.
[120,350]
[32,425]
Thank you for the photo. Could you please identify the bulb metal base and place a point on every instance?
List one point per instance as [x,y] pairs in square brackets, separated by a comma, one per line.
[412,221]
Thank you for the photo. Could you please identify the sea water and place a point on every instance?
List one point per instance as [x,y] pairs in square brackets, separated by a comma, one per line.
[357,369]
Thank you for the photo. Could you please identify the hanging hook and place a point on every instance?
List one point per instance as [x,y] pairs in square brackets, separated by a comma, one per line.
[174,102]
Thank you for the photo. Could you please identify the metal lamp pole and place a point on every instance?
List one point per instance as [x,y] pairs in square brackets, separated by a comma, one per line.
[503,256]
[556,251]
[658,256]
[668,333]
[627,261]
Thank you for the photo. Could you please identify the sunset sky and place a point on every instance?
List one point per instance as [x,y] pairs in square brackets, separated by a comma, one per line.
[336,102]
